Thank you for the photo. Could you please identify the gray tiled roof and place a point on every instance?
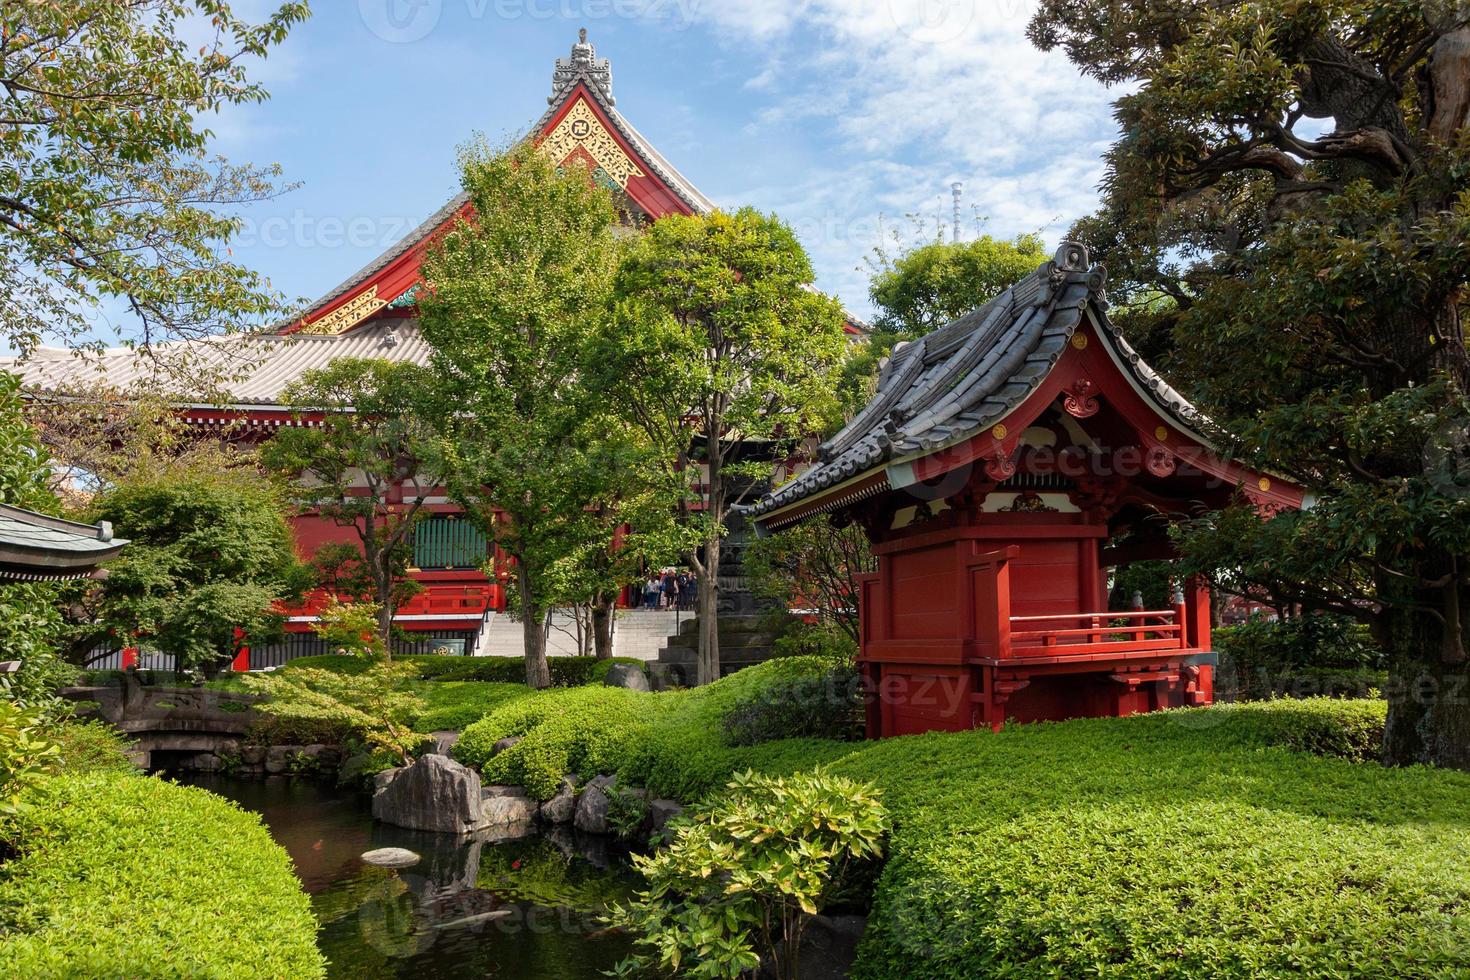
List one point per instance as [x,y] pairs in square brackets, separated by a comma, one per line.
[964,377]
[38,546]
[255,368]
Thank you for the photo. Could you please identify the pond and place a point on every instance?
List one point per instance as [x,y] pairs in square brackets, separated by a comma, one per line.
[523,909]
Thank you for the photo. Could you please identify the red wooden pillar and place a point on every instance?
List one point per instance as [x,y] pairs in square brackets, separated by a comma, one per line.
[1197,619]
[870,615]
[129,657]
[241,663]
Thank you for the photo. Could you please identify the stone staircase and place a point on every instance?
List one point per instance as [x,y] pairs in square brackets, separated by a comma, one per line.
[639,633]
[744,640]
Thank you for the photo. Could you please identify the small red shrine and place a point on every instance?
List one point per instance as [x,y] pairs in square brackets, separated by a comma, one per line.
[1007,461]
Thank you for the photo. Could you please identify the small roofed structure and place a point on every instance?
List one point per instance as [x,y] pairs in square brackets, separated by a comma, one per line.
[1005,463]
[39,548]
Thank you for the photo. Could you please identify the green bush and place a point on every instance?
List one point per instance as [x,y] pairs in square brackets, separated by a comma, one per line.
[455,705]
[1189,843]
[314,705]
[565,671]
[743,876]
[121,875]
[829,705]
[673,743]
[90,746]
[1302,657]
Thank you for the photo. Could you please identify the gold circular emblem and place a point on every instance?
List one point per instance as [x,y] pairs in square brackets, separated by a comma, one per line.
[999,432]
[580,128]
[1161,433]
[1079,341]
[1264,483]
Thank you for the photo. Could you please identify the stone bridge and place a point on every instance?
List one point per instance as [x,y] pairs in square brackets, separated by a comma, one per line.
[169,719]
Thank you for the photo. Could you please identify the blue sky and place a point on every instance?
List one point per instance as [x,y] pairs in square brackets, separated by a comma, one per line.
[842,116]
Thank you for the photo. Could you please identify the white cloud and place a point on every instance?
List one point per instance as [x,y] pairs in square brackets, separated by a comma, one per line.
[916,93]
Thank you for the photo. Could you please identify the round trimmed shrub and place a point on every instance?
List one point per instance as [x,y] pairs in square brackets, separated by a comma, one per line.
[123,875]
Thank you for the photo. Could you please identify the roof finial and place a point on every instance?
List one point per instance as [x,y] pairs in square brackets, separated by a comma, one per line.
[582,66]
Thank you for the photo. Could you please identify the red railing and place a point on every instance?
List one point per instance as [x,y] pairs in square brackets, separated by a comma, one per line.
[1106,632]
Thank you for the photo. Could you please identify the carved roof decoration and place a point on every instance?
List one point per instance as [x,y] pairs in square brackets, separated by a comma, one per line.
[582,66]
[966,377]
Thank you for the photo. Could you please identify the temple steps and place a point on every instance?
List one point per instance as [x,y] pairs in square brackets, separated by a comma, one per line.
[640,633]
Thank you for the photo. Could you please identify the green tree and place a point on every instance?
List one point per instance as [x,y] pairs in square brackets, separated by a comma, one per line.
[927,286]
[31,625]
[369,463]
[107,195]
[1294,175]
[815,566]
[720,341]
[510,300]
[211,552]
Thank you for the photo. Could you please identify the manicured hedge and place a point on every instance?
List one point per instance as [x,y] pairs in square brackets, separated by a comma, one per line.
[1237,841]
[121,875]
[455,705]
[672,743]
[565,671]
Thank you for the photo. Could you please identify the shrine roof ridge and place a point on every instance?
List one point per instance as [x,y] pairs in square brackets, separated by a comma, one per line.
[963,378]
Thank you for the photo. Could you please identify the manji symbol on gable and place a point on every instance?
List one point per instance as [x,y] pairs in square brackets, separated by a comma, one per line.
[581,129]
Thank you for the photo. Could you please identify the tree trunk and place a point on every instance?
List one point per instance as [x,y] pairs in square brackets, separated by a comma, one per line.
[708,665]
[1428,688]
[385,612]
[604,608]
[533,630]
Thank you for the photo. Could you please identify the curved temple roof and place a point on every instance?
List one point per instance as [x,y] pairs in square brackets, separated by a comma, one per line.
[963,378]
[38,547]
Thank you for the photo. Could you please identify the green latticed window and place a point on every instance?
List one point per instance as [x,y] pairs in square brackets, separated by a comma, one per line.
[448,542]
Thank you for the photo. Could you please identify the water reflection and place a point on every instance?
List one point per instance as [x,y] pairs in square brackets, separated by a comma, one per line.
[475,907]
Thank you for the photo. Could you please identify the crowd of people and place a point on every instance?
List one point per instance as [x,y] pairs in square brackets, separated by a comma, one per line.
[671,588]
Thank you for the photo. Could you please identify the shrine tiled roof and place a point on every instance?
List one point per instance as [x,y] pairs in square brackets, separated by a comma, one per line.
[963,378]
[242,369]
[36,547]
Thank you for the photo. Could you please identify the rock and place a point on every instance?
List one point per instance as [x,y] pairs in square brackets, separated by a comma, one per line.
[506,806]
[391,857]
[382,779]
[353,768]
[435,793]
[253,755]
[563,806]
[278,757]
[503,744]
[660,812]
[206,762]
[229,746]
[592,805]
[628,676]
[443,742]
[325,756]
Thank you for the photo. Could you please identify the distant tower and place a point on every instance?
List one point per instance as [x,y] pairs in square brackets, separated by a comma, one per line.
[957,189]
